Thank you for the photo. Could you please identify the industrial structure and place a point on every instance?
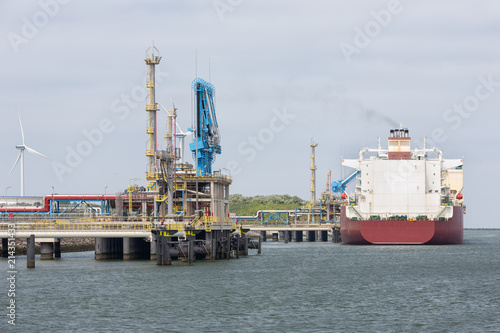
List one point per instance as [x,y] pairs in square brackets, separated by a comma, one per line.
[182,212]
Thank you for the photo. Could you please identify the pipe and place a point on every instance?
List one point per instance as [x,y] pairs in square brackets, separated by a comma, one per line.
[59,197]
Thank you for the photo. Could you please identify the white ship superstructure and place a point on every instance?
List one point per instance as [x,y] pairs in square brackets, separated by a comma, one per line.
[401,183]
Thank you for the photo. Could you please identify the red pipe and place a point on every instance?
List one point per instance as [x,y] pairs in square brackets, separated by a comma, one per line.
[59,197]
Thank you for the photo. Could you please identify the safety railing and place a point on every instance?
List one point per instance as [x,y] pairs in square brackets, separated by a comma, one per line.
[77,227]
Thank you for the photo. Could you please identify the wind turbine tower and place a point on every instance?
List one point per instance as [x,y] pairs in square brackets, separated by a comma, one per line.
[22,147]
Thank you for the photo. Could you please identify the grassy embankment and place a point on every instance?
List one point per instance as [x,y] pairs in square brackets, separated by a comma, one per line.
[248,206]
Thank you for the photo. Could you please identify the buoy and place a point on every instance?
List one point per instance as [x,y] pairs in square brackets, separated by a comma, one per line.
[344,196]
[460,196]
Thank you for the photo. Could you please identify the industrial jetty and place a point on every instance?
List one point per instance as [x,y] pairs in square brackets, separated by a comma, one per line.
[403,196]
[182,212]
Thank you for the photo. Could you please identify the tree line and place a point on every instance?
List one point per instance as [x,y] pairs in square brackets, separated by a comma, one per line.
[245,206]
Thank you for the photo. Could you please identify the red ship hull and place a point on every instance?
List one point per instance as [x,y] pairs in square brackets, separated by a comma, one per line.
[403,231]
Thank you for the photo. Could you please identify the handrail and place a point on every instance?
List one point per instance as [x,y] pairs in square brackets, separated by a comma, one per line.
[82,226]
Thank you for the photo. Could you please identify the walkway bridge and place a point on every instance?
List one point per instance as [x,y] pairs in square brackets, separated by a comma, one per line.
[107,227]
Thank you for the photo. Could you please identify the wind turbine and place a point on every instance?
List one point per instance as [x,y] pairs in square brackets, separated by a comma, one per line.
[181,135]
[22,148]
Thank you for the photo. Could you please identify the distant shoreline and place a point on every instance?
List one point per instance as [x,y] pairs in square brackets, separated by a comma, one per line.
[67,245]
[481,228]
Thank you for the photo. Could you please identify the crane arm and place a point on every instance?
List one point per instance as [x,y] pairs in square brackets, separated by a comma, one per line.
[340,185]
[206,142]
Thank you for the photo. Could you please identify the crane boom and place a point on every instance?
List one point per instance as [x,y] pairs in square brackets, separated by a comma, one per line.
[206,142]
[340,185]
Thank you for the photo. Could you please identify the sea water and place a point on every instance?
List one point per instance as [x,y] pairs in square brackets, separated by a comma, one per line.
[294,287]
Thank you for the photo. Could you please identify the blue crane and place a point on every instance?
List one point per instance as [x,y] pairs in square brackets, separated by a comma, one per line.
[206,141]
[340,185]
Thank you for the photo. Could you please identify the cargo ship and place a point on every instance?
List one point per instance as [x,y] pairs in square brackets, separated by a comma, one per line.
[403,196]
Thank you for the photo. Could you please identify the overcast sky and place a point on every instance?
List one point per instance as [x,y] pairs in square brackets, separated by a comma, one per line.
[341,72]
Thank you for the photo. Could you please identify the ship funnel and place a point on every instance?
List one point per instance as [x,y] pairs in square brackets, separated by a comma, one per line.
[399,144]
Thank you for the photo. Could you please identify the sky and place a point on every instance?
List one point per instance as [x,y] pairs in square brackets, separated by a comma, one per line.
[341,73]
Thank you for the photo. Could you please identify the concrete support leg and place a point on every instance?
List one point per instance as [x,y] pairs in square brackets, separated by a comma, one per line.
[152,248]
[238,246]
[159,250]
[286,235]
[275,236]
[30,252]
[259,249]
[228,246]
[166,258]
[263,235]
[135,248]
[245,246]
[47,250]
[108,248]
[336,237]
[281,234]
[57,248]
[213,249]
[190,252]
[5,247]
[324,235]
[163,251]
[298,235]
[311,235]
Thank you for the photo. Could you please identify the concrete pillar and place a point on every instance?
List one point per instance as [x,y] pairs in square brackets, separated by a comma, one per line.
[152,248]
[166,257]
[237,246]
[311,235]
[47,250]
[57,248]
[259,249]
[159,250]
[213,249]
[228,245]
[30,252]
[298,235]
[5,247]
[135,248]
[190,252]
[336,236]
[281,234]
[108,248]
[119,206]
[286,236]
[275,236]
[163,251]
[263,235]
[245,246]
[324,236]
[290,235]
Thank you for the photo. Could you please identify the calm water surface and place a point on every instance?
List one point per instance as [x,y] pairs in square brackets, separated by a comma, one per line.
[295,287]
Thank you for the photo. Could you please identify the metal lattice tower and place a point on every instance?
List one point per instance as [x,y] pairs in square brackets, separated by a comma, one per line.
[313,172]
[152,60]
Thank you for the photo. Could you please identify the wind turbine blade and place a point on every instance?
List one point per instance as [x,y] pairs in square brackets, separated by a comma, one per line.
[179,128]
[33,151]
[18,157]
[21,124]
